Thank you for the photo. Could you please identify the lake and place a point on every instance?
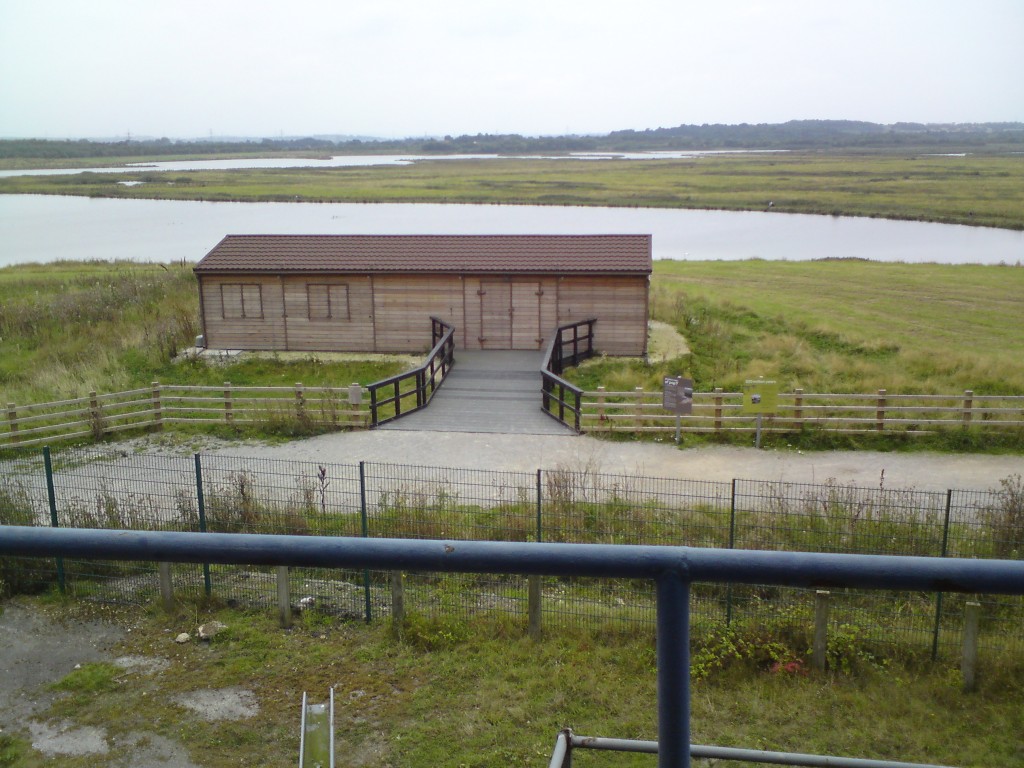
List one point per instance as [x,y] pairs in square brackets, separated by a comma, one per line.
[43,228]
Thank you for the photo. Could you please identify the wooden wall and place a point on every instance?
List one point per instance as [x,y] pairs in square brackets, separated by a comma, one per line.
[618,303]
[391,313]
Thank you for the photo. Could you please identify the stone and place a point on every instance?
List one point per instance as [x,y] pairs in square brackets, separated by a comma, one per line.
[210,629]
[184,637]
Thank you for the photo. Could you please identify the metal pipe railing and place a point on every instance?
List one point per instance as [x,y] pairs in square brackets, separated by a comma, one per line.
[567,741]
[672,569]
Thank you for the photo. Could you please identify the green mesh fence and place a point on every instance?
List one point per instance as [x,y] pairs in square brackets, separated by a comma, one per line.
[113,488]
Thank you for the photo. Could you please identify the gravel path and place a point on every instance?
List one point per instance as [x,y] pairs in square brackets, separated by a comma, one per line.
[923,471]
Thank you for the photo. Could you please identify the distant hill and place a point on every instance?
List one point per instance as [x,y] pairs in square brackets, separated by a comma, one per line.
[795,134]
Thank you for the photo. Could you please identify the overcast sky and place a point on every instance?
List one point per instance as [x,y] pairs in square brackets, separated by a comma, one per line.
[391,68]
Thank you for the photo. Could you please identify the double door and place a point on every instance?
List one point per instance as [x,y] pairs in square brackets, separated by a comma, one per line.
[510,314]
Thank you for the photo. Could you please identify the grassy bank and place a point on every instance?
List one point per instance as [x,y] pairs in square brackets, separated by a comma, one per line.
[481,694]
[837,326]
[69,328]
[986,190]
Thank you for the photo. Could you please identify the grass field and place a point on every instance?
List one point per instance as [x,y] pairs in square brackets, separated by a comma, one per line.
[834,326]
[483,695]
[985,190]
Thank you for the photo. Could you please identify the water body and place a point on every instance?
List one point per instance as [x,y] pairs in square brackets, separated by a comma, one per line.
[42,228]
[351,161]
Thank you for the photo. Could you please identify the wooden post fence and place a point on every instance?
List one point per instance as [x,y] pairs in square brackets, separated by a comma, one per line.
[228,414]
[12,416]
[158,415]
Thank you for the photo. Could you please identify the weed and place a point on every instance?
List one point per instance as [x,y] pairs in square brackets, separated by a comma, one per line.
[93,678]
[1006,518]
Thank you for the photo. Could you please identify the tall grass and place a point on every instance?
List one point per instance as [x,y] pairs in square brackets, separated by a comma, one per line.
[69,328]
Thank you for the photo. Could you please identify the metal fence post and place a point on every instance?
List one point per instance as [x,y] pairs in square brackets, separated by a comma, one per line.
[732,543]
[819,655]
[51,496]
[365,521]
[201,503]
[533,595]
[938,597]
[673,652]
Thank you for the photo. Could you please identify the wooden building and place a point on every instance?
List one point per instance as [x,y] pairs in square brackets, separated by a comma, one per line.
[376,293]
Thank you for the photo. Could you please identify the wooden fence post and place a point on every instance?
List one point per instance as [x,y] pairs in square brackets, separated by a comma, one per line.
[166,588]
[880,412]
[228,413]
[284,598]
[533,606]
[397,603]
[639,406]
[819,654]
[969,661]
[968,405]
[12,417]
[158,414]
[355,400]
[300,401]
[798,408]
[718,409]
[601,415]
[95,417]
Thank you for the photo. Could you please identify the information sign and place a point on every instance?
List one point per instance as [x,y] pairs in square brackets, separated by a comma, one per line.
[677,395]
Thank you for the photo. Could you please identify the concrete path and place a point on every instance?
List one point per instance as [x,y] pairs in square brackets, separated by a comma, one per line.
[486,392]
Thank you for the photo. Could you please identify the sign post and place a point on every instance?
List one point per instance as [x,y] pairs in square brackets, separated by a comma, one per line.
[677,396]
[760,396]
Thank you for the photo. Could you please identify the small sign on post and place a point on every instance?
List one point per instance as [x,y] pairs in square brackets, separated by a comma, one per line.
[760,396]
[677,396]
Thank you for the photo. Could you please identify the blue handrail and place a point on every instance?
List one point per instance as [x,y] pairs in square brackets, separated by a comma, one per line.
[672,569]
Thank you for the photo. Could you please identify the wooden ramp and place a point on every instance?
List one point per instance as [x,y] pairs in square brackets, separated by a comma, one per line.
[489,391]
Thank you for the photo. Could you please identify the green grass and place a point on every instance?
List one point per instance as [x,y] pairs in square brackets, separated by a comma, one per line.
[481,694]
[984,190]
[69,328]
[835,326]
[829,326]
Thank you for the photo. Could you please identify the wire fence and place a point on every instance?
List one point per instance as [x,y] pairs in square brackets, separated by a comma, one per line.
[110,488]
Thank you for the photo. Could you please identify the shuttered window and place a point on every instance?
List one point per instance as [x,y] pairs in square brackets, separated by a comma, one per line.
[241,301]
[327,301]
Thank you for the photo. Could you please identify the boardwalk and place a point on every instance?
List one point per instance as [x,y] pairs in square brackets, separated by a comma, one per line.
[491,391]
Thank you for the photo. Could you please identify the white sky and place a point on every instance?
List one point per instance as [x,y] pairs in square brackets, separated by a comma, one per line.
[191,68]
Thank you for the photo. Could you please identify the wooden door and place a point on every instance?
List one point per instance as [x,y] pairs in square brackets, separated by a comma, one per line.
[526,315]
[495,315]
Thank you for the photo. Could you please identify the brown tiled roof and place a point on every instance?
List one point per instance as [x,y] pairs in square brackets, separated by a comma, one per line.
[596,254]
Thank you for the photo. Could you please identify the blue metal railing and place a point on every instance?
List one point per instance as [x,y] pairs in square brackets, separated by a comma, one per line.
[672,569]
